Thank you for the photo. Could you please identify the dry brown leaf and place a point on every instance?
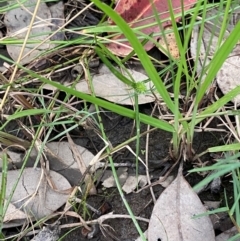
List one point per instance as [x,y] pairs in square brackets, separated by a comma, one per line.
[37,202]
[17,21]
[173,215]
[141,14]
[108,86]
[14,217]
[169,44]
[225,236]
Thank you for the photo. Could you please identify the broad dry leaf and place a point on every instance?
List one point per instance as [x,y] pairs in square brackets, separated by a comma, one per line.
[63,151]
[17,21]
[225,236]
[173,215]
[40,202]
[228,76]
[140,14]
[14,217]
[108,86]
[133,181]
[108,179]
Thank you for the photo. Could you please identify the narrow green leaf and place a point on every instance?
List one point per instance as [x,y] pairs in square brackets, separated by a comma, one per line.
[229,147]
[140,51]
[218,59]
[107,105]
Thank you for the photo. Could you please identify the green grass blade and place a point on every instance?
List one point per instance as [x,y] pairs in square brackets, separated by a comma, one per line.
[218,59]
[3,208]
[142,55]
[105,104]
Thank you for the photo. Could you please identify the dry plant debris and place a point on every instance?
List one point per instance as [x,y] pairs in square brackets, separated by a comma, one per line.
[48,233]
[128,181]
[173,215]
[108,86]
[139,14]
[169,44]
[14,217]
[33,195]
[48,20]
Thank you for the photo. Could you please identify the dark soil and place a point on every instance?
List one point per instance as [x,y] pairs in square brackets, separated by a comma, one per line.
[140,203]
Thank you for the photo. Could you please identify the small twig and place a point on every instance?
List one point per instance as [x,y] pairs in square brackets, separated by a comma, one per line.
[146,157]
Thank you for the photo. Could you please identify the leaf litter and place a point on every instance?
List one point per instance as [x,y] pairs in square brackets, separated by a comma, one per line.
[173,216]
[141,14]
[171,191]
[48,19]
[33,195]
[108,86]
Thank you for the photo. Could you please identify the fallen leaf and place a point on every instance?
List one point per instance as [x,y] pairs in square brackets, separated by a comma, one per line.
[132,183]
[225,236]
[17,21]
[108,86]
[173,215]
[35,201]
[140,14]
[61,160]
[63,151]
[14,217]
[228,76]
[169,44]
[108,179]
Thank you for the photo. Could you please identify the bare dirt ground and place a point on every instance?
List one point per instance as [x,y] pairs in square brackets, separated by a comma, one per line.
[140,203]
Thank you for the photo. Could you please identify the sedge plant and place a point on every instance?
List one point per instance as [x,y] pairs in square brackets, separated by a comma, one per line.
[181,126]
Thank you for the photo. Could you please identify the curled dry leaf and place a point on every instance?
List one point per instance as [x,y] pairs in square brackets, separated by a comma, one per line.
[140,14]
[173,215]
[17,21]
